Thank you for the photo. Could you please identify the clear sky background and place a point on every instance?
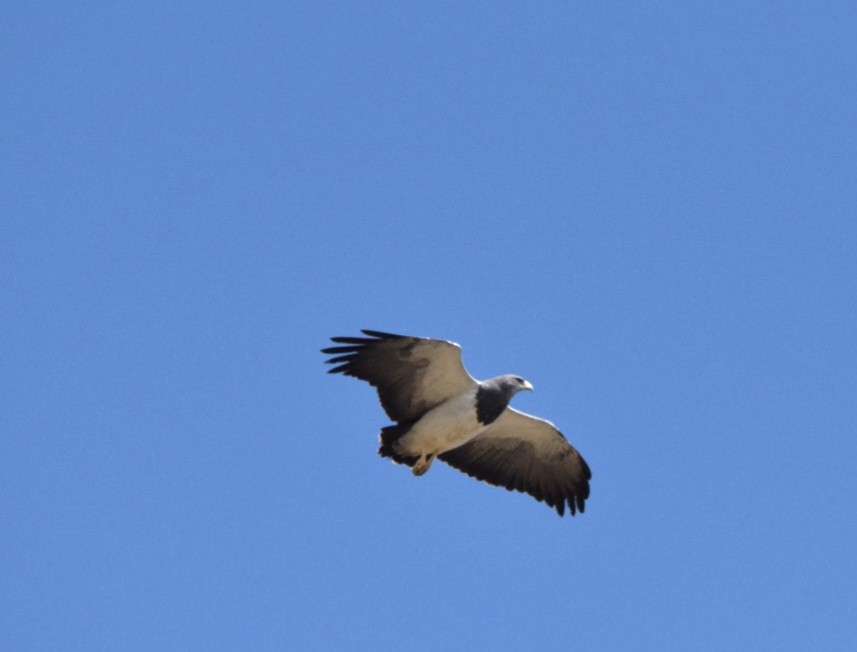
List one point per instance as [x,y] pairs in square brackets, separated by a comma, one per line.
[650,212]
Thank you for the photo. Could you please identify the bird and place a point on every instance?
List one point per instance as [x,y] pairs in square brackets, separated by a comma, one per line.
[441,412]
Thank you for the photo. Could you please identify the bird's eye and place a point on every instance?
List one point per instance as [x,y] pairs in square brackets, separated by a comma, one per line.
[518,380]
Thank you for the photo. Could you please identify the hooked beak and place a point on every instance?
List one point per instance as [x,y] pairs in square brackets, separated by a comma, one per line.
[527,385]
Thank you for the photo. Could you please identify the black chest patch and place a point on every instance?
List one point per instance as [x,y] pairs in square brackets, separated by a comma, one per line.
[490,403]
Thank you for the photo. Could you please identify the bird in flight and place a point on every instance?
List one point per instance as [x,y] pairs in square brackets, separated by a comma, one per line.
[442,412]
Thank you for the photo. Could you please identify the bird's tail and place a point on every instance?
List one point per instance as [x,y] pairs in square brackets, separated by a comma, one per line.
[389,436]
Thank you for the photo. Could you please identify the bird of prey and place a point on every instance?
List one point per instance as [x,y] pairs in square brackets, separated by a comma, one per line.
[441,411]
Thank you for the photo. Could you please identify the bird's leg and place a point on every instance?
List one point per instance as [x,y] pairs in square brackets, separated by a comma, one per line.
[423,464]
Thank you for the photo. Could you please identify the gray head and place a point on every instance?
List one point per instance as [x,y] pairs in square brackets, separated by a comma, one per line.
[509,385]
[494,395]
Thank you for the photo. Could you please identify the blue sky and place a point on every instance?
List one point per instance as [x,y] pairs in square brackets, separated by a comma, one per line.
[650,212]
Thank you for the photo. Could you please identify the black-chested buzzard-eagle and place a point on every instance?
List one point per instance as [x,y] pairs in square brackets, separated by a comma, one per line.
[441,411]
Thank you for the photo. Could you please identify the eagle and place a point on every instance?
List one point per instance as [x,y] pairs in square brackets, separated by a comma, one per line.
[441,411]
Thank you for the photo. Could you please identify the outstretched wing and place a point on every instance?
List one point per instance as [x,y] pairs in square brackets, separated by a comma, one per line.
[412,374]
[527,454]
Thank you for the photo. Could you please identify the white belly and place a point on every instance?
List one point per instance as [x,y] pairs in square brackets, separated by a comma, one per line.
[447,426]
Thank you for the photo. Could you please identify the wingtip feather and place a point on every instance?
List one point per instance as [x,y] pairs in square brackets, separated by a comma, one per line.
[381,335]
[339,339]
